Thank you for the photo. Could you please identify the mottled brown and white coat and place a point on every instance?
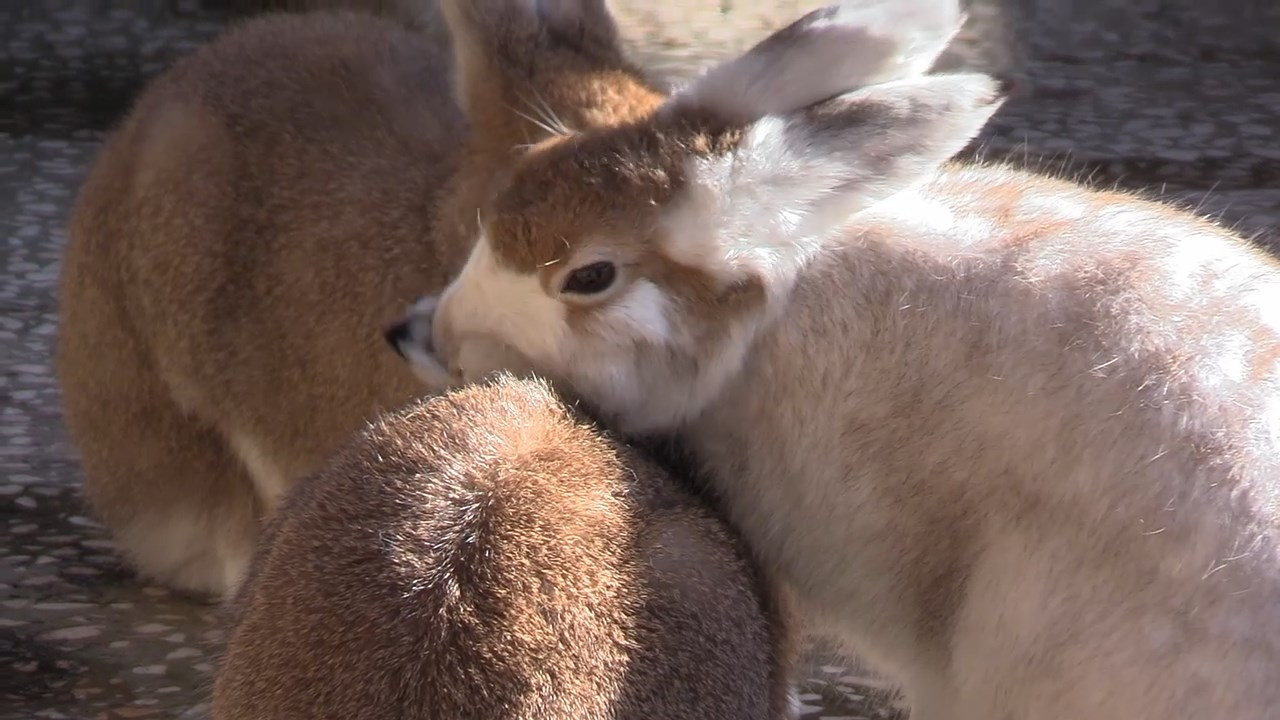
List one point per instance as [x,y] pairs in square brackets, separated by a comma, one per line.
[1014,439]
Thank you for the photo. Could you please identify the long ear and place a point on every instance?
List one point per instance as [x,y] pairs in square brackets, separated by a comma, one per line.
[827,52]
[794,178]
[526,69]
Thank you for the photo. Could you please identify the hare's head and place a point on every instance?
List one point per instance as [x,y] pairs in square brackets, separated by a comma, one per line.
[636,260]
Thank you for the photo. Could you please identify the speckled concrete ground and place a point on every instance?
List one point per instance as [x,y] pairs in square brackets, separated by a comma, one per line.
[1144,93]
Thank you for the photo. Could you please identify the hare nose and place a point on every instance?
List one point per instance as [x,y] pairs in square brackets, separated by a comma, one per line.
[397,335]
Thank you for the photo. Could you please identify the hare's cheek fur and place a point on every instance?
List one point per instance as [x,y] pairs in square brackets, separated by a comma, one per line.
[626,355]
[489,305]
[640,315]
[491,310]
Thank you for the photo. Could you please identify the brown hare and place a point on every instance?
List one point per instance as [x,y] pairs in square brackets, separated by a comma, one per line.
[489,554]
[268,205]
[1014,439]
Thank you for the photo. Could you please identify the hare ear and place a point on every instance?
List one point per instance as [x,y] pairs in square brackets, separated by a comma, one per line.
[509,25]
[504,46]
[827,52]
[795,178]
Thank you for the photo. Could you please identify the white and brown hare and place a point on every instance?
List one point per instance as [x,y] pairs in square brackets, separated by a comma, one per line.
[1015,440]
[489,553]
[269,204]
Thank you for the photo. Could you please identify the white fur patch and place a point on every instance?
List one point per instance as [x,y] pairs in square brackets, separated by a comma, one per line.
[1054,206]
[1266,299]
[268,479]
[1194,260]
[192,548]
[1122,221]
[752,209]
[644,311]
[1271,421]
[1233,354]
[691,224]
[922,218]
[426,367]
[235,567]
[489,299]
[788,185]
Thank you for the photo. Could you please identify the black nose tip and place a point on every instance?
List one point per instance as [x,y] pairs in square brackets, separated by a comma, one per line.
[395,335]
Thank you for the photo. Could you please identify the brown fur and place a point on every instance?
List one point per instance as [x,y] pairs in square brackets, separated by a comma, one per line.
[633,168]
[267,206]
[489,554]
[588,85]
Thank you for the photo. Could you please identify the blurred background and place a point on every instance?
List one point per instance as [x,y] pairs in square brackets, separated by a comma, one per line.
[1178,98]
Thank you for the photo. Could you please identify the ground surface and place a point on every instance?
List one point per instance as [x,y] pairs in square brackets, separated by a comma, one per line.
[1178,96]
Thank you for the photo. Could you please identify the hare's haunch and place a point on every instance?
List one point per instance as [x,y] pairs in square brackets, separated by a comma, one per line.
[489,554]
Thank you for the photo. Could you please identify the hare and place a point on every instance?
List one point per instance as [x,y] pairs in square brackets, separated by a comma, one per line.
[488,553]
[1016,440]
[270,203]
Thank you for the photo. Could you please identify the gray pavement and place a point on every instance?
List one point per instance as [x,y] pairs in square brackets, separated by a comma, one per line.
[1177,97]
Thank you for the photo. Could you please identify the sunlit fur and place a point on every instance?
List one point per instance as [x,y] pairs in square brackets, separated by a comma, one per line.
[1016,440]
[490,553]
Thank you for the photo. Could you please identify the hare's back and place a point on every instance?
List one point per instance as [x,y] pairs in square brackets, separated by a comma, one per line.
[487,550]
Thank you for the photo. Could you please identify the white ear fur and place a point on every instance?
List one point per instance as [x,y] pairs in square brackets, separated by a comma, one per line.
[795,178]
[828,51]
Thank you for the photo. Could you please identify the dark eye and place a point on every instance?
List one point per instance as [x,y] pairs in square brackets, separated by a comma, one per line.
[590,279]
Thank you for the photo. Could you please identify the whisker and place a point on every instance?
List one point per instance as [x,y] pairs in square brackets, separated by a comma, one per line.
[535,121]
[546,117]
[542,120]
[549,113]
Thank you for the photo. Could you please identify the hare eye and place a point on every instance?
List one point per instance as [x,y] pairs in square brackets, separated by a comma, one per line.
[590,279]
